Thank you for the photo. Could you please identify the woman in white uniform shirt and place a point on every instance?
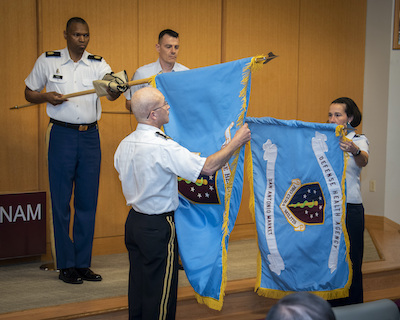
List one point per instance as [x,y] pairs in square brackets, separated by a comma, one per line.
[344,111]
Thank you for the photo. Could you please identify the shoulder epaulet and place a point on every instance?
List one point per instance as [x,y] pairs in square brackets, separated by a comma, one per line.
[53,54]
[94,57]
[162,135]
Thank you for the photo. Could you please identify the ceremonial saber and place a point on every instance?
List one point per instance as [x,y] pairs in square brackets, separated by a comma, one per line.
[82,93]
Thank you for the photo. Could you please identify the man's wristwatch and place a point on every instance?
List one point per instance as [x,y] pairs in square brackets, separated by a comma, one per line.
[358,152]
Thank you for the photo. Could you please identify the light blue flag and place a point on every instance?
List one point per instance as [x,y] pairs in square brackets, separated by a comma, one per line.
[208,105]
[297,173]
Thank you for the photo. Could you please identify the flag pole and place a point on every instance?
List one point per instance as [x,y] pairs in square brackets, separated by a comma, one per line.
[262,59]
[82,93]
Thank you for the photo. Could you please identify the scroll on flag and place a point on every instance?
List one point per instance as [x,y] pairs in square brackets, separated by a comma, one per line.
[208,105]
[297,174]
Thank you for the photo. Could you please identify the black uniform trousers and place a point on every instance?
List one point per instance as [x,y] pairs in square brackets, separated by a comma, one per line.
[153,257]
[355,224]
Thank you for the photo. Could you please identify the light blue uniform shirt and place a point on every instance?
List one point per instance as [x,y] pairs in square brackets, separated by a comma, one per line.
[147,71]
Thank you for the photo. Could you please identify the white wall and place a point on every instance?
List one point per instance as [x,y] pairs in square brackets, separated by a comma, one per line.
[392,193]
[381,112]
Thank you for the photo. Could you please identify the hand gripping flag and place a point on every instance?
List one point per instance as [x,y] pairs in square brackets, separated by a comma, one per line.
[208,105]
[297,174]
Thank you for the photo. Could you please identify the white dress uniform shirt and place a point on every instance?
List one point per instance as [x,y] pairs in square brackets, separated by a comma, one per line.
[353,171]
[63,75]
[148,164]
[147,71]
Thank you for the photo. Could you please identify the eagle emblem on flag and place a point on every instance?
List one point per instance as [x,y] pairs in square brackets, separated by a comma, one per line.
[303,204]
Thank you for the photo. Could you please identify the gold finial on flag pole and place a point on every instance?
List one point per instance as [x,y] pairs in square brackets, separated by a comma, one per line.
[265,59]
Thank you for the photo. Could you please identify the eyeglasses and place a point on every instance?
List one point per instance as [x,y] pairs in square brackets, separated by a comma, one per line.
[165,104]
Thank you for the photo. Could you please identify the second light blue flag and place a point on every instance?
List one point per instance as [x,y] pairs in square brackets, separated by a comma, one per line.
[297,173]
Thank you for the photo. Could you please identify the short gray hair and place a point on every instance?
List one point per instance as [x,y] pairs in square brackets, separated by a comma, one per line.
[143,101]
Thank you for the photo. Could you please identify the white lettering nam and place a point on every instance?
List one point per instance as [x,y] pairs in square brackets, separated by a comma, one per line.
[28,215]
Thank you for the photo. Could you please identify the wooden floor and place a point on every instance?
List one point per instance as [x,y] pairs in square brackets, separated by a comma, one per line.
[381,280]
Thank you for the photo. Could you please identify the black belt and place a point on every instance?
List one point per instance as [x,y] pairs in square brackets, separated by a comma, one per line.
[170,213]
[80,127]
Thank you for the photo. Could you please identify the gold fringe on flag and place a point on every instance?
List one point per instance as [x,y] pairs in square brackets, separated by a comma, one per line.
[152,81]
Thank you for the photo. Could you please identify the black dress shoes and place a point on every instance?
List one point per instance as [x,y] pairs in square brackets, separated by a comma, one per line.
[70,276]
[88,275]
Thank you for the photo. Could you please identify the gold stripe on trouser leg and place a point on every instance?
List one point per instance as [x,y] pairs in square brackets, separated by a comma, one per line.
[169,271]
[52,241]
